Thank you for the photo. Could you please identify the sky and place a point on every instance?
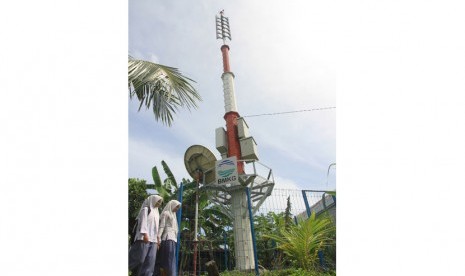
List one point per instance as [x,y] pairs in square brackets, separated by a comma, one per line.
[282,56]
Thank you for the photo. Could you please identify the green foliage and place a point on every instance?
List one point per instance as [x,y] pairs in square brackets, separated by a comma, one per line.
[170,182]
[236,273]
[283,272]
[302,242]
[159,186]
[211,219]
[287,214]
[168,189]
[163,89]
[136,195]
[330,251]
[297,272]
[268,255]
[333,193]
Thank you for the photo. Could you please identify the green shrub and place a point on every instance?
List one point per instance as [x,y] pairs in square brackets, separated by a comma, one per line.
[297,272]
[236,273]
[283,272]
[302,242]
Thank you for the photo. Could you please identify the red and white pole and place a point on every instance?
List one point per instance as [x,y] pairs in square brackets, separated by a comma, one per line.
[243,243]
[231,115]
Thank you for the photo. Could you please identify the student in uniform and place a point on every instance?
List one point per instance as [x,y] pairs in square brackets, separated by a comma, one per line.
[168,234]
[143,251]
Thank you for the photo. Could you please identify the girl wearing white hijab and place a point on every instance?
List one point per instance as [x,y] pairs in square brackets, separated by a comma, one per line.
[168,235]
[143,252]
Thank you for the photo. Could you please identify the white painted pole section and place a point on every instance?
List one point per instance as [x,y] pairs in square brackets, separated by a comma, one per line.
[228,91]
[196,226]
[242,235]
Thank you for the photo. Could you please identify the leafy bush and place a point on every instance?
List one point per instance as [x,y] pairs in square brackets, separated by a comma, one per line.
[297,272]
[284,272]
[136,195]
[236,273]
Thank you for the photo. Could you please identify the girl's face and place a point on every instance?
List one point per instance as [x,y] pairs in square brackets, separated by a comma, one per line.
[158,204]
[175,209]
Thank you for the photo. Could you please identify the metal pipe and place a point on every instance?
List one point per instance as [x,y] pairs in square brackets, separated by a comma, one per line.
[316,191]
[198,173]
[307,206]
[179,214]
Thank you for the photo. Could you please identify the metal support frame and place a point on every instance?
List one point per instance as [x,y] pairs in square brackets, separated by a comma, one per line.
[323,200]
[307,206]
[260,189]
[322,259]
[198,174]
[256,188]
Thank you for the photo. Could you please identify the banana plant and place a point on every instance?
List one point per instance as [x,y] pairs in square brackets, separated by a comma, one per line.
[167,189]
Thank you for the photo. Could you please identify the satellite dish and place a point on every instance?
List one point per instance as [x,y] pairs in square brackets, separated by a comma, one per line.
[199,158]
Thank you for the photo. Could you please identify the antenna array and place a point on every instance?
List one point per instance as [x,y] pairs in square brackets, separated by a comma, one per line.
[222,27]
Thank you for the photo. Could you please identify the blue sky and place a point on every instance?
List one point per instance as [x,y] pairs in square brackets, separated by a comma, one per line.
[282,55]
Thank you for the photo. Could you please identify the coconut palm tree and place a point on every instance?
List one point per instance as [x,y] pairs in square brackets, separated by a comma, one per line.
[163,89]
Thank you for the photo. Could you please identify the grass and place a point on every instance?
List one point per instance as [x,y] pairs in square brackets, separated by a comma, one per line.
[284,272]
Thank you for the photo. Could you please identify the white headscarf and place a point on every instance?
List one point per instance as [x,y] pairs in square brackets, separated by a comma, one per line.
[169,209]
[150,202]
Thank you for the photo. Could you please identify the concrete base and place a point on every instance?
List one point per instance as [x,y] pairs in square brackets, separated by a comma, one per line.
[242,233]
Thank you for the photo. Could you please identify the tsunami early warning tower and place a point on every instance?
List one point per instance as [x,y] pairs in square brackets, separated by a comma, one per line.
[250,190]
[239,194]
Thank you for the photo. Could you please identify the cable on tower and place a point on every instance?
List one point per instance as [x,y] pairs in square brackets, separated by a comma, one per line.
[287,112]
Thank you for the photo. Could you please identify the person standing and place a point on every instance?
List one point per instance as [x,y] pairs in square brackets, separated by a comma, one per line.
[143,251]
[168,234]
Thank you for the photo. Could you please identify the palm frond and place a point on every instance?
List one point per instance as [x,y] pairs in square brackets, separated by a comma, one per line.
[162,88]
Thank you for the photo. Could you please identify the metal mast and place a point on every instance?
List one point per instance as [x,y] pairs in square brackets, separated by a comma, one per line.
[241,197]
[242,231]
[234,148]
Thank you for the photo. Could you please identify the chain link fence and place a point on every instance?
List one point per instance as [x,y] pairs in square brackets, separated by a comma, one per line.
[215,248]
